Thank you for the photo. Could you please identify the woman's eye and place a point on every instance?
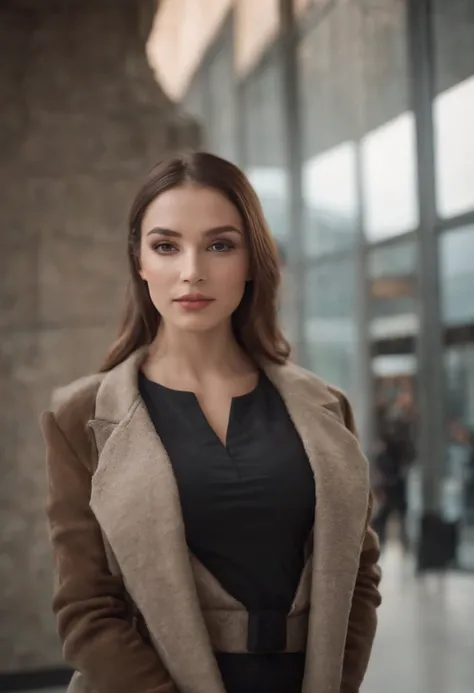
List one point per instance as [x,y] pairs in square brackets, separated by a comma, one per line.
[222,246]
[164,247]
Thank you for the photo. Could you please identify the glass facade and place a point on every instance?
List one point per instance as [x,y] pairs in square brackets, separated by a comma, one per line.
[264,144]
[330,322]
[356,128]
[388,150]
[453,31]
[328,109]
[393,311]
[212,99]
[453,117]
[457,309]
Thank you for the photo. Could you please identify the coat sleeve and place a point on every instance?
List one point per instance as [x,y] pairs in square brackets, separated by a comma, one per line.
[99,640]
[366,598]
[363,615]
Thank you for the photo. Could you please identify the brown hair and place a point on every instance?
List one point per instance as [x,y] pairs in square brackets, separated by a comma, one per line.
[255,320]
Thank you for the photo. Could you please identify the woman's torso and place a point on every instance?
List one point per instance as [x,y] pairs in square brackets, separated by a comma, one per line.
[248,509]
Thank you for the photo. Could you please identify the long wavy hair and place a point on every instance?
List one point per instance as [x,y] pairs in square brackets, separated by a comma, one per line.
[255,320]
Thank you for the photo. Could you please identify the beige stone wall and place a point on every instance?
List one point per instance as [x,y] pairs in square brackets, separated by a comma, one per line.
[81,120]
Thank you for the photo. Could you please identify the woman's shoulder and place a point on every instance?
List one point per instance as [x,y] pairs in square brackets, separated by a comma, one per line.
[313,386]
[77,395]
[304,378]
[73,405]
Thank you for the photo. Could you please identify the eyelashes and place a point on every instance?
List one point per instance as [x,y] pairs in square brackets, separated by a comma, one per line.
[167,248]
[163,248]
[226,246]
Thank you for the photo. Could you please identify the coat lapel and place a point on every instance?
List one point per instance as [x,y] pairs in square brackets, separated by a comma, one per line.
[135,499]
[342,485]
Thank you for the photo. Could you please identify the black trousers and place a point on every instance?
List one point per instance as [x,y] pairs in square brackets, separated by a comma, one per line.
[262,673]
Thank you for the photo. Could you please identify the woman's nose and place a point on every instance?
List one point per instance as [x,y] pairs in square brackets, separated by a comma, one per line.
[192,270]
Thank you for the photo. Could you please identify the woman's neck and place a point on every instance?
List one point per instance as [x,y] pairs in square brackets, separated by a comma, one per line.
[186,359]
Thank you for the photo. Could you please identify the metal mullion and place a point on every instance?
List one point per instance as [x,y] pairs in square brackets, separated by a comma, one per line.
[364,300]
[430,347]
[466,219]
[392,240]
[294,161]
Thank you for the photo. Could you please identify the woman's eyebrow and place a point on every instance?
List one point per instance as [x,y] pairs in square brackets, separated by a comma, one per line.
[163,232]
[210,232]
[221,229]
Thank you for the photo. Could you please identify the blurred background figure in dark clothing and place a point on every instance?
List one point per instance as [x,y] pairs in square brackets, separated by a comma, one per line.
[460,470]
[394,455]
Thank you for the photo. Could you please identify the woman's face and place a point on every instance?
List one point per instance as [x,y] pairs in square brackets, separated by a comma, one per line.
[194,257]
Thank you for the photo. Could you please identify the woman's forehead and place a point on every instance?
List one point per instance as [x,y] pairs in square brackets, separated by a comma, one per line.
[191,206]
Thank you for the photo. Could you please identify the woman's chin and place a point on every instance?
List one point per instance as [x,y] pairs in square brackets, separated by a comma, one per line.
[196,323]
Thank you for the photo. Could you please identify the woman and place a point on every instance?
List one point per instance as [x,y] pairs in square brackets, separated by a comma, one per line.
[208,499]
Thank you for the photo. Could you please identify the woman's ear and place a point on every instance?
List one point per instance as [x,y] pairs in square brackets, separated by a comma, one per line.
[138,266]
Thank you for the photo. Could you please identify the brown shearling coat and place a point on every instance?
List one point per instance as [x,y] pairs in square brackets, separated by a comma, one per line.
[130,612]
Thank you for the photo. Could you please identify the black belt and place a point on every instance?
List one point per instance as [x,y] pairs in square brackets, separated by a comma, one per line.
[257,632]
[266,631]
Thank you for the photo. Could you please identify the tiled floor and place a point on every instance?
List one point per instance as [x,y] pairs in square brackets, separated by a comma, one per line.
[425,640]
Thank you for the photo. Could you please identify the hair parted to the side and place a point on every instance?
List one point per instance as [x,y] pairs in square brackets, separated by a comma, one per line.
[255,321]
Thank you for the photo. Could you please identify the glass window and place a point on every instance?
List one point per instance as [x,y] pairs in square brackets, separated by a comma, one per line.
[457,486]
[355,93]
[388,146]
[393,292]
[329,122]
[265,147]
[222,112]
[393,330]
[211,98]
[453,24]
[194,104]
[331,324]
[457,307]
[390,196]
[330,200]
[457,276]
[394,322]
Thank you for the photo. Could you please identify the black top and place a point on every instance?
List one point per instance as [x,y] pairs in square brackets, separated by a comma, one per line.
[248,507]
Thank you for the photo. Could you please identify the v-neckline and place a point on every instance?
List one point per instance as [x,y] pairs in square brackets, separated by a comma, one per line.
[191,396]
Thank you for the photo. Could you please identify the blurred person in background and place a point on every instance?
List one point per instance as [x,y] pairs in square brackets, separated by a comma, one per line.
[460,472]
[394,456]
[209,504]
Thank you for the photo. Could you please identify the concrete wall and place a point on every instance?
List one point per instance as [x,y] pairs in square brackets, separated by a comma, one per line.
[81,121]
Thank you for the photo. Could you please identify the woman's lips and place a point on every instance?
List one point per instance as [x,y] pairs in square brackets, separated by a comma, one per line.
[194,304]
